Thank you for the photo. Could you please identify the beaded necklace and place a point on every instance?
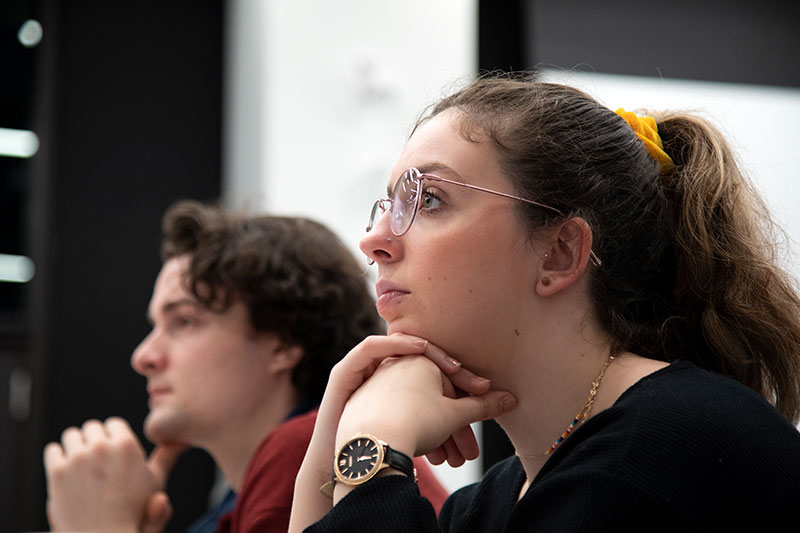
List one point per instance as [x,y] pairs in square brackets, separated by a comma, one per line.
[579,418]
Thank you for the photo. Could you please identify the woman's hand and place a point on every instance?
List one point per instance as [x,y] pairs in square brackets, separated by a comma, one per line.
[410,404]
[345,378]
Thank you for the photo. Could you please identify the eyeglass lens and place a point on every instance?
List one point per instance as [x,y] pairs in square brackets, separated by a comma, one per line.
[404,202]
[403,205]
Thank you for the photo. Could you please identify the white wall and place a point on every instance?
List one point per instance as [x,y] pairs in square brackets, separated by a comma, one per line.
[320,97]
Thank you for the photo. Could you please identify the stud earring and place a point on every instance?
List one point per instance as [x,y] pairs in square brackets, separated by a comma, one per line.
[388,239]
[545,281]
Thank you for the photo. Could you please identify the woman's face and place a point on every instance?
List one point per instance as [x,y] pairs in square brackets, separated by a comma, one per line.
[465,271]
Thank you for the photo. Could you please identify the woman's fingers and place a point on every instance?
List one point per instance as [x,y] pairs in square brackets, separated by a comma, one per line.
[375,348]
[485,406]
[452,453]
[362,361]
[356,367]
[461,378]
[446,364]
[465,442]
[436,456]
[463,439]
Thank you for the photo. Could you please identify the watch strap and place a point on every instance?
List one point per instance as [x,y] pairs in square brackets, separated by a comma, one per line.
[399,461]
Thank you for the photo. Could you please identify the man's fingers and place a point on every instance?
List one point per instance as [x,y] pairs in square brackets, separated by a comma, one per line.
[118,430]
[117,427]
[53,458]
[93,433]
[162,459]
[123,440]
[72,441]
[157,513]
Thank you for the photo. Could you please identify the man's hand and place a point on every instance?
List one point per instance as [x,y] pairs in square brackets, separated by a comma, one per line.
[98,480]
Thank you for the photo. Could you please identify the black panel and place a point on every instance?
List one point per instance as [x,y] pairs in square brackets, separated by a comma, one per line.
[496,445]
[16,87]
[501,35]
[717,40]
[129,104]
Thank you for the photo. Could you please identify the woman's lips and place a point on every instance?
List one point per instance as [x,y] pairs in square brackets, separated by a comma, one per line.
[388,294]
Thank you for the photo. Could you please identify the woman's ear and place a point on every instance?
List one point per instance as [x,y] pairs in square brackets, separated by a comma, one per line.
[565,257]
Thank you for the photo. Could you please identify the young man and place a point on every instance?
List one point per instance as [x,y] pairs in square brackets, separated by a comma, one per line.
[249,315]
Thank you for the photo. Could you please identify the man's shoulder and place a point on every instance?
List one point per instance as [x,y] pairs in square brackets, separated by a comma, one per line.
[276,462]
[292,436]
[298,426]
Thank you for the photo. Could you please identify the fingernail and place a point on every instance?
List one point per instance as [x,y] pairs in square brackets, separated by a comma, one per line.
[419,343]
[509,402]
[453,362]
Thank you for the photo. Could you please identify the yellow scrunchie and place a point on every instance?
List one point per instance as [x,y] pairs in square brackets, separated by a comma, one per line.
[647,131]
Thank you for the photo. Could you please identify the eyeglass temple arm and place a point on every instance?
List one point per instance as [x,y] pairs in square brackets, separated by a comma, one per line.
[496,193]
[592,256]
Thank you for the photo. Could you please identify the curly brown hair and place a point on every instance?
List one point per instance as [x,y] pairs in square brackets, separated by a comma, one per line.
[689,256]
[296,277]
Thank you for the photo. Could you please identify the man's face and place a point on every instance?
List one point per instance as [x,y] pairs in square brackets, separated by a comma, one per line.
[204,370]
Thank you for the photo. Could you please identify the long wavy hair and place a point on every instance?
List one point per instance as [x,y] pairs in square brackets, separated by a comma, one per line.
[689,256]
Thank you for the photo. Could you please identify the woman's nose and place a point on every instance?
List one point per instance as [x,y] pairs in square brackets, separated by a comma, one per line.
[379,244]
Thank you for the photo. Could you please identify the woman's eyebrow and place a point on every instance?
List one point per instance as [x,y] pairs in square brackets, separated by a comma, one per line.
[431,168]
[437,167]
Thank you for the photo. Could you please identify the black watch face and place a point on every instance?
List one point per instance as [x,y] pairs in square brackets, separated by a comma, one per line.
[358,459]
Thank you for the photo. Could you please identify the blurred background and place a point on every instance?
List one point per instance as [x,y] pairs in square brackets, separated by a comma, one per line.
[110,111]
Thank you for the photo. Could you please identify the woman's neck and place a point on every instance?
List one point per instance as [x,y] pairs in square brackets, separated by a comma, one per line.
[547,408]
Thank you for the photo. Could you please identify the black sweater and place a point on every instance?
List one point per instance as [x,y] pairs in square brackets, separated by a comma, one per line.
[682,450]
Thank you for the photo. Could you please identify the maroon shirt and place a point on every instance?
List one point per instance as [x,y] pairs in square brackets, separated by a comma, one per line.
[265,502]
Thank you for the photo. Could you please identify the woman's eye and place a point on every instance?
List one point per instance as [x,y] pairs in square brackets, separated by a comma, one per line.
[430,201]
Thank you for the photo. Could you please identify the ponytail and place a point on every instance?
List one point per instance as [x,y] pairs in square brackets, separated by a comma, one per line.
[739,309]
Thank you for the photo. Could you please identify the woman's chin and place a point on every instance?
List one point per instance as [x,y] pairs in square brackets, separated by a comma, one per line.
[406,327]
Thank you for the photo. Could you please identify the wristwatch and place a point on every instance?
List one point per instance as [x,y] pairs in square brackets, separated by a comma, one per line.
[362,457]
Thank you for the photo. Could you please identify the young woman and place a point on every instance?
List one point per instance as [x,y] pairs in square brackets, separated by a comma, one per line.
[612,278]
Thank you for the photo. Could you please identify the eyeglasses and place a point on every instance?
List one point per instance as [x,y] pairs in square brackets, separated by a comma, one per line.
[405,202]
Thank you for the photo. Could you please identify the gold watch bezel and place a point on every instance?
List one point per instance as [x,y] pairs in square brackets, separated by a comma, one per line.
[379,464]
